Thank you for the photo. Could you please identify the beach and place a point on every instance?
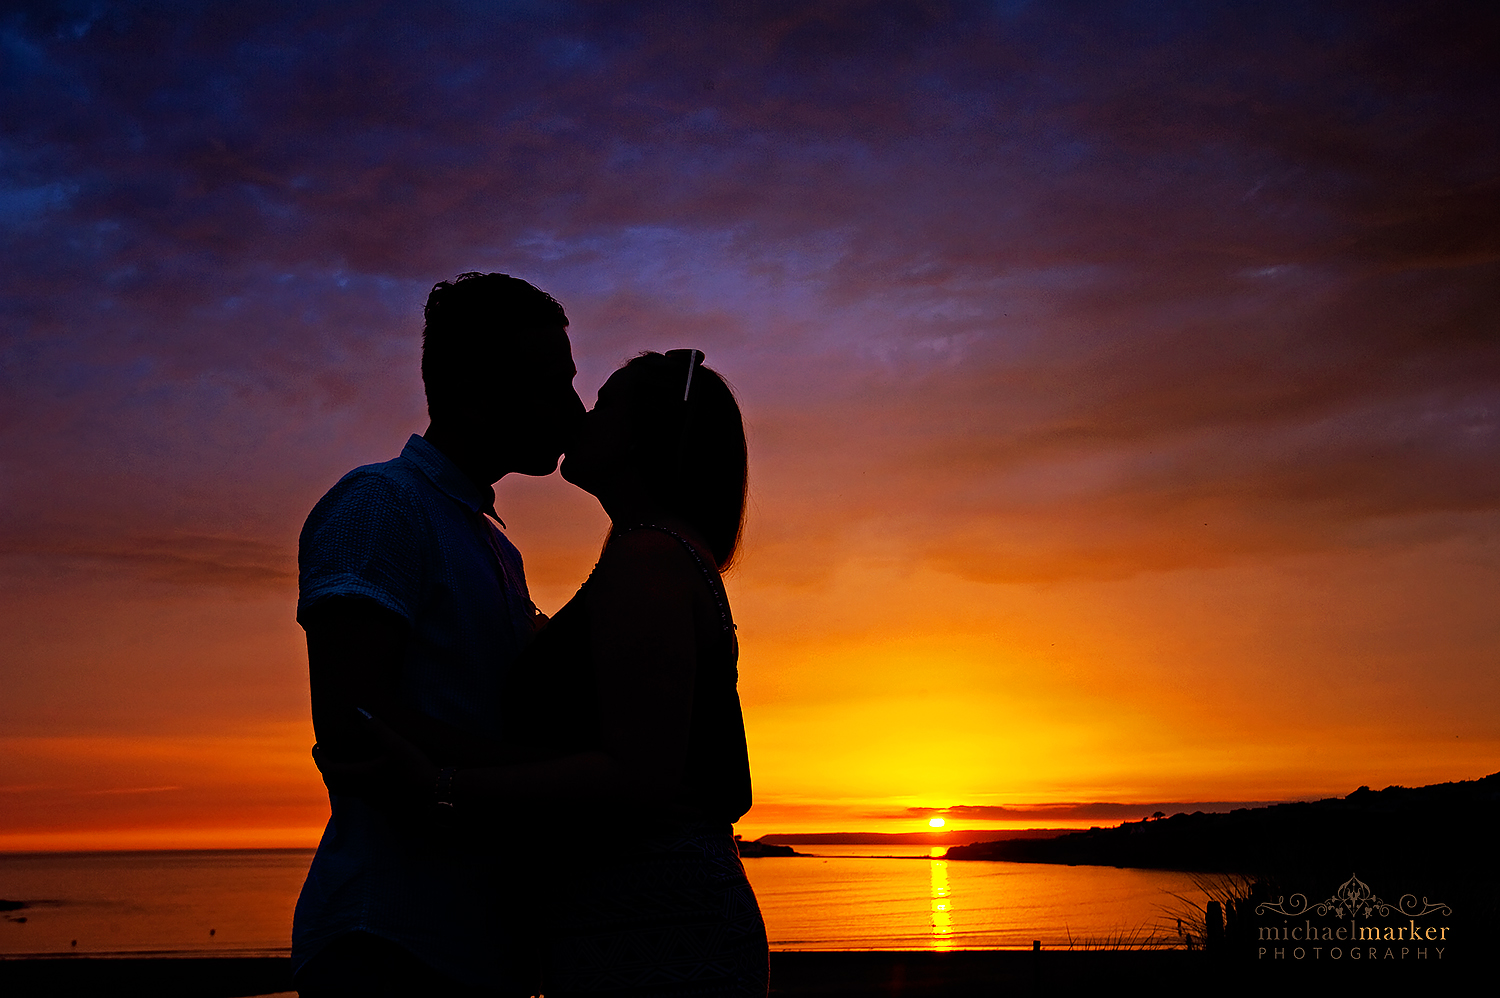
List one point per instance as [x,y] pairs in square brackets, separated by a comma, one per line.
[922,974]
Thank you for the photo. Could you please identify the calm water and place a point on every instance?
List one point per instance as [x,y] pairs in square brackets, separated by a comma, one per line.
[844,898]
[240,902]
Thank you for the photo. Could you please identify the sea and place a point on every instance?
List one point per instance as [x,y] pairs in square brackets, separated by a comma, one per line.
[239,902]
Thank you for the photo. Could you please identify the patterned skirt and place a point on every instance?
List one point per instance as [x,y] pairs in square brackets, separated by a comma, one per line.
[671,915]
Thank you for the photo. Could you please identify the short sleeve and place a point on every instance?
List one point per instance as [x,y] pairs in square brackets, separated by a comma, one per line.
[363,540]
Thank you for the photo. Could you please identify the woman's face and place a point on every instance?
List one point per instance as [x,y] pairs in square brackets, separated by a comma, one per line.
[601,452]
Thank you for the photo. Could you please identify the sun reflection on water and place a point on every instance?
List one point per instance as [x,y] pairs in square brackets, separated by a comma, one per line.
[942,902]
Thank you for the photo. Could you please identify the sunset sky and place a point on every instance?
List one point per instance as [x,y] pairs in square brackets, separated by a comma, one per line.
[1122,380]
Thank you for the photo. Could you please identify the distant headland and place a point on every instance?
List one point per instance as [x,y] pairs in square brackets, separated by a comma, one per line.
[1422,828]
[943,838]
[757,849]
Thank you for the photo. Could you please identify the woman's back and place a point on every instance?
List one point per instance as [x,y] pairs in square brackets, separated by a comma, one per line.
[649,896]
[553,703]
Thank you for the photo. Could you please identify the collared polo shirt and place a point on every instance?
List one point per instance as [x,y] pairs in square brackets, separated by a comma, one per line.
[413,536]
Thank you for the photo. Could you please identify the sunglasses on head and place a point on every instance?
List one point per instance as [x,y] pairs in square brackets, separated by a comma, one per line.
[694,359]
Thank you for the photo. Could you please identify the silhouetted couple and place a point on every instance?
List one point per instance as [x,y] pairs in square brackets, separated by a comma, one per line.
[522,805]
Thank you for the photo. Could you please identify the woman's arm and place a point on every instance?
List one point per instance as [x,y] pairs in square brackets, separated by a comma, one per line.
[643,642]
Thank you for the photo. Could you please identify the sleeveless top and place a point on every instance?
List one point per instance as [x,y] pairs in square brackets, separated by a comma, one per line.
[551,707]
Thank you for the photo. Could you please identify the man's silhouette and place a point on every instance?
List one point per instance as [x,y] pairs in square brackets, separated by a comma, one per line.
[414,606]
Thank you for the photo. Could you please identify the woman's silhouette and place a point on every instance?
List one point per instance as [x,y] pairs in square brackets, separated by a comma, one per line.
[623,724]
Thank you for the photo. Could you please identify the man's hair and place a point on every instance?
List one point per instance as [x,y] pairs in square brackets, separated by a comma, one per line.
[692,451]
[472,326]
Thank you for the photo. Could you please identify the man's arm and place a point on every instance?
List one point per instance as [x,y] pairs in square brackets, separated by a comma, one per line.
[355,650]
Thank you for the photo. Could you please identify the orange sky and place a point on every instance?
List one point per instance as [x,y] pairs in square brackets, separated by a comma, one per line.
[1124,419]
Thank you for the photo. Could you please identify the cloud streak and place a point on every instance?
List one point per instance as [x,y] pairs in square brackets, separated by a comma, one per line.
[1101,810]
[183,560]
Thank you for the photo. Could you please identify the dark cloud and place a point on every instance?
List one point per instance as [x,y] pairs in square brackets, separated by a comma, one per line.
[1114,264]
[331,136]
[183,560]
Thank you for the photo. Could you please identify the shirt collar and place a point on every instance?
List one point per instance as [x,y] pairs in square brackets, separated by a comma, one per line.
[445,475]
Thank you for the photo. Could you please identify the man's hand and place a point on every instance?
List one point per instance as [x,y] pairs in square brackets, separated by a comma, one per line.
[398,775]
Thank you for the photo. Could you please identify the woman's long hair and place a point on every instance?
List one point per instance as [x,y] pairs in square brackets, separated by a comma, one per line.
[693,456]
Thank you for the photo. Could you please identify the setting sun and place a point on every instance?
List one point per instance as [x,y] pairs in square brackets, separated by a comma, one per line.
[937,822]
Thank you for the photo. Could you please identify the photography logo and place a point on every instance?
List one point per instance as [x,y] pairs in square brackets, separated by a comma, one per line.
[1353,924]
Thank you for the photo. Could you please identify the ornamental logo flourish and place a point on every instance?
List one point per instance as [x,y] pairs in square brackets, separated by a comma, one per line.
[1355,896]
[1398,935]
